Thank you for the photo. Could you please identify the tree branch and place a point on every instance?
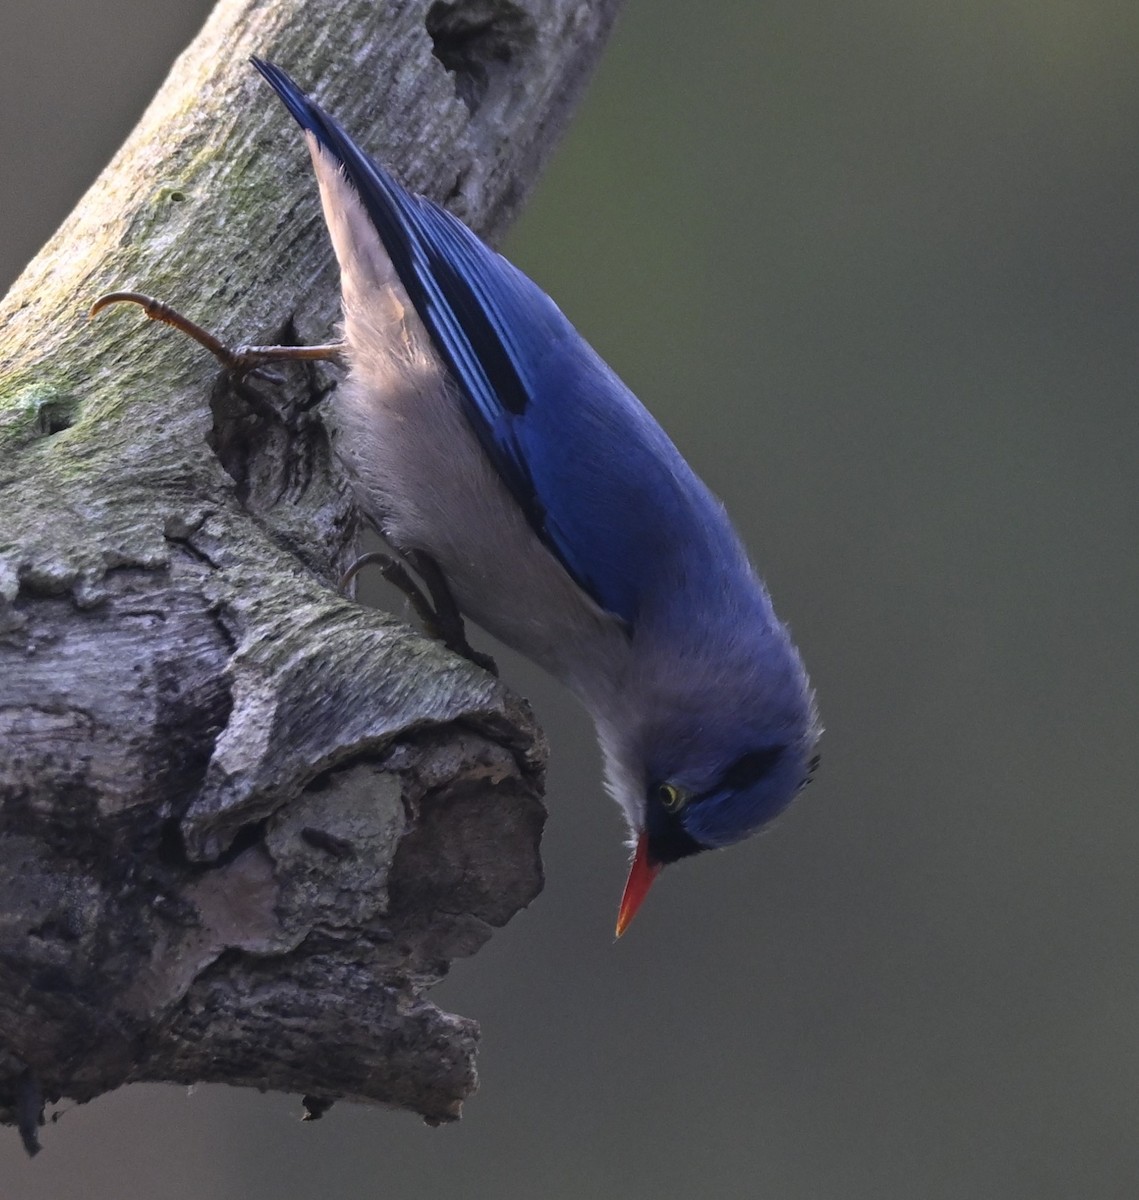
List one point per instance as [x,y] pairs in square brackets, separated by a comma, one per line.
[245,823]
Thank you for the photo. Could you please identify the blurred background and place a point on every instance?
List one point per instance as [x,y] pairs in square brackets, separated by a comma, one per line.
[875,268]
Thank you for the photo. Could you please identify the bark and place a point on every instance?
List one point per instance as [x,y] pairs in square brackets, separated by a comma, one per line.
[244,822]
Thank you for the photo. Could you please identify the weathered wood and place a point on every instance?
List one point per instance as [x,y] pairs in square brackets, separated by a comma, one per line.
[244,822]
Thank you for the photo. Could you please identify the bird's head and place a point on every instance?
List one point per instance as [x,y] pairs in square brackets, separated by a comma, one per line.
[708,772]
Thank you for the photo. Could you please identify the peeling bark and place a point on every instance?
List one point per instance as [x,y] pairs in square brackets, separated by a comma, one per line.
[244,822]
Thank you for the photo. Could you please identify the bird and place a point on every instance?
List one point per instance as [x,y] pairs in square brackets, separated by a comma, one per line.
[490,444]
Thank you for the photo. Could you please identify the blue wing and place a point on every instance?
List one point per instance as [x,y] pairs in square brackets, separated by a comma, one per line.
[599,481]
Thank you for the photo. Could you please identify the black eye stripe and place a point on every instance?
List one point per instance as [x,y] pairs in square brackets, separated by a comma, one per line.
[745,772]
[750,768]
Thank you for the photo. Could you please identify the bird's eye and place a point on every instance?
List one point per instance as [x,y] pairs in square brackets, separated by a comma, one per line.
[672,799]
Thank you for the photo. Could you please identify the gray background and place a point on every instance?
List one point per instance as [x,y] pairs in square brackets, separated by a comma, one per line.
[874,266]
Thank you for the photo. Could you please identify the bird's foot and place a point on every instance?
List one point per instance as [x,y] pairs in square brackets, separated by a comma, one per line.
[241,360]
[440,614]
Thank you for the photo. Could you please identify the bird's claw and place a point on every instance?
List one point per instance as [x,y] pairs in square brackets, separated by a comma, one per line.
[243,360]
[439,615]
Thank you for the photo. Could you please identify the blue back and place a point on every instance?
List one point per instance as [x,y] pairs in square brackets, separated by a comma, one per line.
[598,479]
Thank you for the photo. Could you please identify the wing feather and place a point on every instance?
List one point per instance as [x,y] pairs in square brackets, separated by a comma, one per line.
[599,481]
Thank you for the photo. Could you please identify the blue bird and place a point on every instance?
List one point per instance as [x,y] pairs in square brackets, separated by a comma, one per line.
[482,429]
[487,438]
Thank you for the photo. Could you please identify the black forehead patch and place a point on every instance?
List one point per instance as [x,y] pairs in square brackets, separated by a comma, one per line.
[750,768]
[669,841]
